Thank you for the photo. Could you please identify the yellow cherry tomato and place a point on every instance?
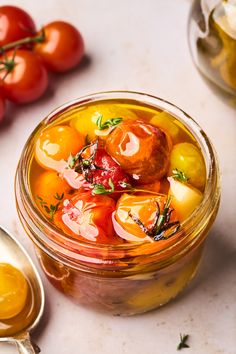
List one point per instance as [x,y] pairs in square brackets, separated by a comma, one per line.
[188,159]
[85,120]
[56,144]
[164,121]
[13,291]
[185,198]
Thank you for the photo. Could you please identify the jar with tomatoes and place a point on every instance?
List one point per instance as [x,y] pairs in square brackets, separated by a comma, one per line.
[118,191]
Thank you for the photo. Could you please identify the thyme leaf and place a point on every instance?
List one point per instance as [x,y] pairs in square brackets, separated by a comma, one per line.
[52,208]
[183,339]
[179,175]
[58,196]
[100,189]
[71,161]
[108,123]
[84,165]
[124,184]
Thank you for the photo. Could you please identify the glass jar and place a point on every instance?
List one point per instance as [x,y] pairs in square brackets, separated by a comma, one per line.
[212,40]
[129,278]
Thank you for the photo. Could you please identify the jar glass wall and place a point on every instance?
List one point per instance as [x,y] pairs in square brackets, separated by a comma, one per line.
[128,278]
[212,40]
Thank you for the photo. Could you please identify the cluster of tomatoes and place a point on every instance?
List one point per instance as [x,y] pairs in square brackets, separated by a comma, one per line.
[26,55]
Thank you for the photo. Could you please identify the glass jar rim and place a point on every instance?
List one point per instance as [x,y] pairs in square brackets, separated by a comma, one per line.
[201,215]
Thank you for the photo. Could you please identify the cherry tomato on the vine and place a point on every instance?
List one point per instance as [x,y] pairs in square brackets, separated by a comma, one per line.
[2,108]
[24,77]
[63,47]
[15,24]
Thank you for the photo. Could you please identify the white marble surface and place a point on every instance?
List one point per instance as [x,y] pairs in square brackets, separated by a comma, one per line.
[135,45]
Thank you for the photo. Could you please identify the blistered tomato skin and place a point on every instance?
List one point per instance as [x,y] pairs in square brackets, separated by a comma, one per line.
[15,24]
[143,207]
[141,149]
[88,217]
[56,144]
[13,291]
[109,170]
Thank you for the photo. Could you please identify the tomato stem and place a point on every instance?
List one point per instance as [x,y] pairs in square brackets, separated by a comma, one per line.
[27,40]
[7,65]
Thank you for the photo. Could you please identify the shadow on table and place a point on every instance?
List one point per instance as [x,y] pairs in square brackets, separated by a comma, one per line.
[219,259]
[227,98]
[42,326]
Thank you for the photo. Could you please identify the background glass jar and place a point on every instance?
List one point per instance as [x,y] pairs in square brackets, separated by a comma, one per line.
[121,279]
[212,40]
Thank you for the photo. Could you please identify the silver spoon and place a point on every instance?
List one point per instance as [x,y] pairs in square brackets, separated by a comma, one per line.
[13,253]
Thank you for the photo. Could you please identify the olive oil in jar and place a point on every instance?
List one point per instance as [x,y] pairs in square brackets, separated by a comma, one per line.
[214,46]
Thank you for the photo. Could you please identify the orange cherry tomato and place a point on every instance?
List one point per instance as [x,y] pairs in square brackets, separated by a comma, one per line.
[50,188]
[15,24]
[142,207]
[63,47]
[24,77]
[56,144]
[141,149]
[154,187]
[88,217]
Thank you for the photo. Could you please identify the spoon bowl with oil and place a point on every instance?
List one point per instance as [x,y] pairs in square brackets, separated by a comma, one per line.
[21,294]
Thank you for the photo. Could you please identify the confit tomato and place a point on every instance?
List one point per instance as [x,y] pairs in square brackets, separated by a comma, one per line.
[85,120]
[135,211]
[110,170]
[24,77]
[56,144]
[50,189]
[141,149]
[15,24]
[88,217]
[63,47]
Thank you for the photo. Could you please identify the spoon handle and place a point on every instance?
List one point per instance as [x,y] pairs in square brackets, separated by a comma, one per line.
[25,346]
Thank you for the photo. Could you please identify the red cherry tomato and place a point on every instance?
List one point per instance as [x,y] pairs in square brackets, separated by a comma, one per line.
[85,216]
[15,24]
[2,108]
[63,47]
[27,79]
[110,170]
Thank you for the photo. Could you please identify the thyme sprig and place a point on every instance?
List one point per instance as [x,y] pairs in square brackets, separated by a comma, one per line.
[52,208]
[108,123]
[183,339]
[85,165]
[179,175]
[100,189]
[162,228]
